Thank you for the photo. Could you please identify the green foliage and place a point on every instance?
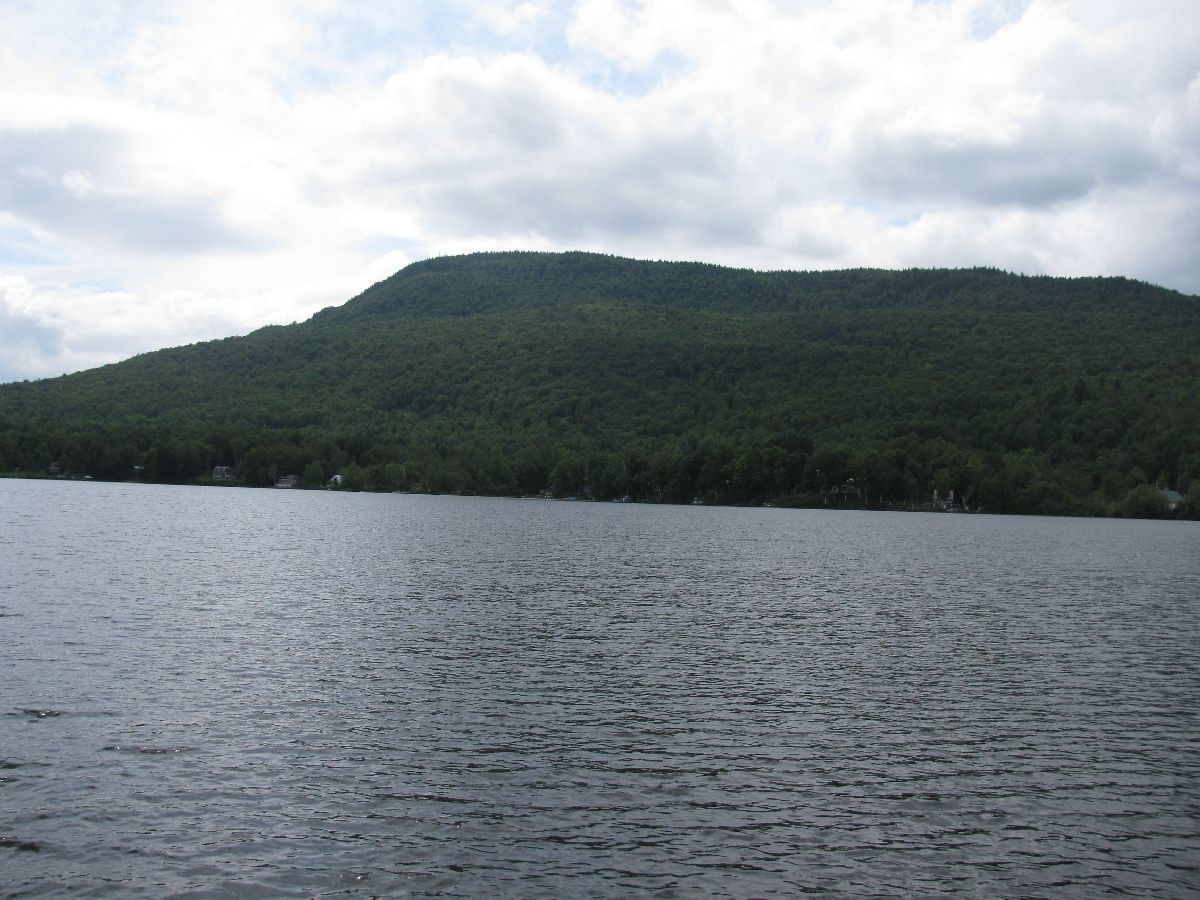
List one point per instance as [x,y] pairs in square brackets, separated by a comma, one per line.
[1145,502]
[314,475]
[1190,508]
[593,376]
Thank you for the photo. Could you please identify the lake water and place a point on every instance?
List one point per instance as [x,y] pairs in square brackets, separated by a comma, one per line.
[262,693]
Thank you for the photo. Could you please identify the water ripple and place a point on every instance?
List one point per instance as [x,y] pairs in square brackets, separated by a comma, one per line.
[265,693]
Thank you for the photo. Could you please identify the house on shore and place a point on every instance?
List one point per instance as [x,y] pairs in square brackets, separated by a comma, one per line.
[949,503]
[1173,498]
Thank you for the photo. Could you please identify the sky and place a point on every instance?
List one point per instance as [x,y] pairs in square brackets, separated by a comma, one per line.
[175,171]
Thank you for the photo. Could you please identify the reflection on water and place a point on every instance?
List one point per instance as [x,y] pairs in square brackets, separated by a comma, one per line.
[265,692]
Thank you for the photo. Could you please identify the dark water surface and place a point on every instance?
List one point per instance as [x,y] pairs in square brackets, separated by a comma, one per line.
[265,693]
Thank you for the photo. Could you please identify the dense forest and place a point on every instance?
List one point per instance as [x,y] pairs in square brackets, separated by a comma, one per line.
[598,377]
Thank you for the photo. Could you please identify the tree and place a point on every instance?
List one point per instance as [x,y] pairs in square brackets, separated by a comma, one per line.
[1145,502]
[314,475]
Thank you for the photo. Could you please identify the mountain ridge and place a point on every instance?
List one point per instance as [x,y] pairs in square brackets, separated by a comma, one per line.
[580,373]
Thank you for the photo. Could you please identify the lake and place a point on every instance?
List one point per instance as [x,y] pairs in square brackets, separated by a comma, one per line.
[266,692]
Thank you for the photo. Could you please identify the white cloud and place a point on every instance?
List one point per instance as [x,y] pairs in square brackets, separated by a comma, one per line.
[26,343]
[49,329]
[508,18]
[214,165]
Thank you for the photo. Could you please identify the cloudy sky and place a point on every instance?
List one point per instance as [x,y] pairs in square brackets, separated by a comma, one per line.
[178,171]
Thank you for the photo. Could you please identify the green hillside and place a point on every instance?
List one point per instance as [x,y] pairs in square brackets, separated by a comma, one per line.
[588,375]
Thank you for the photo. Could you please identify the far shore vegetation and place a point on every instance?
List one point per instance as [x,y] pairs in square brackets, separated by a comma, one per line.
[593,377]
[1143,502]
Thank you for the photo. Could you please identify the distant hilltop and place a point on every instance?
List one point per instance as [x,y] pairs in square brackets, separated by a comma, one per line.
[591,376]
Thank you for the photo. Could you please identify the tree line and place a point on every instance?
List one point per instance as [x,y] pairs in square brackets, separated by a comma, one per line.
[777,469]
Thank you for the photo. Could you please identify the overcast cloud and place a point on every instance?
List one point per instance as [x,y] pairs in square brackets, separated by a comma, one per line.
[177,171]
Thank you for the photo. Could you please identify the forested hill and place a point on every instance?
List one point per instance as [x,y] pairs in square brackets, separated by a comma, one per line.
[595,376]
